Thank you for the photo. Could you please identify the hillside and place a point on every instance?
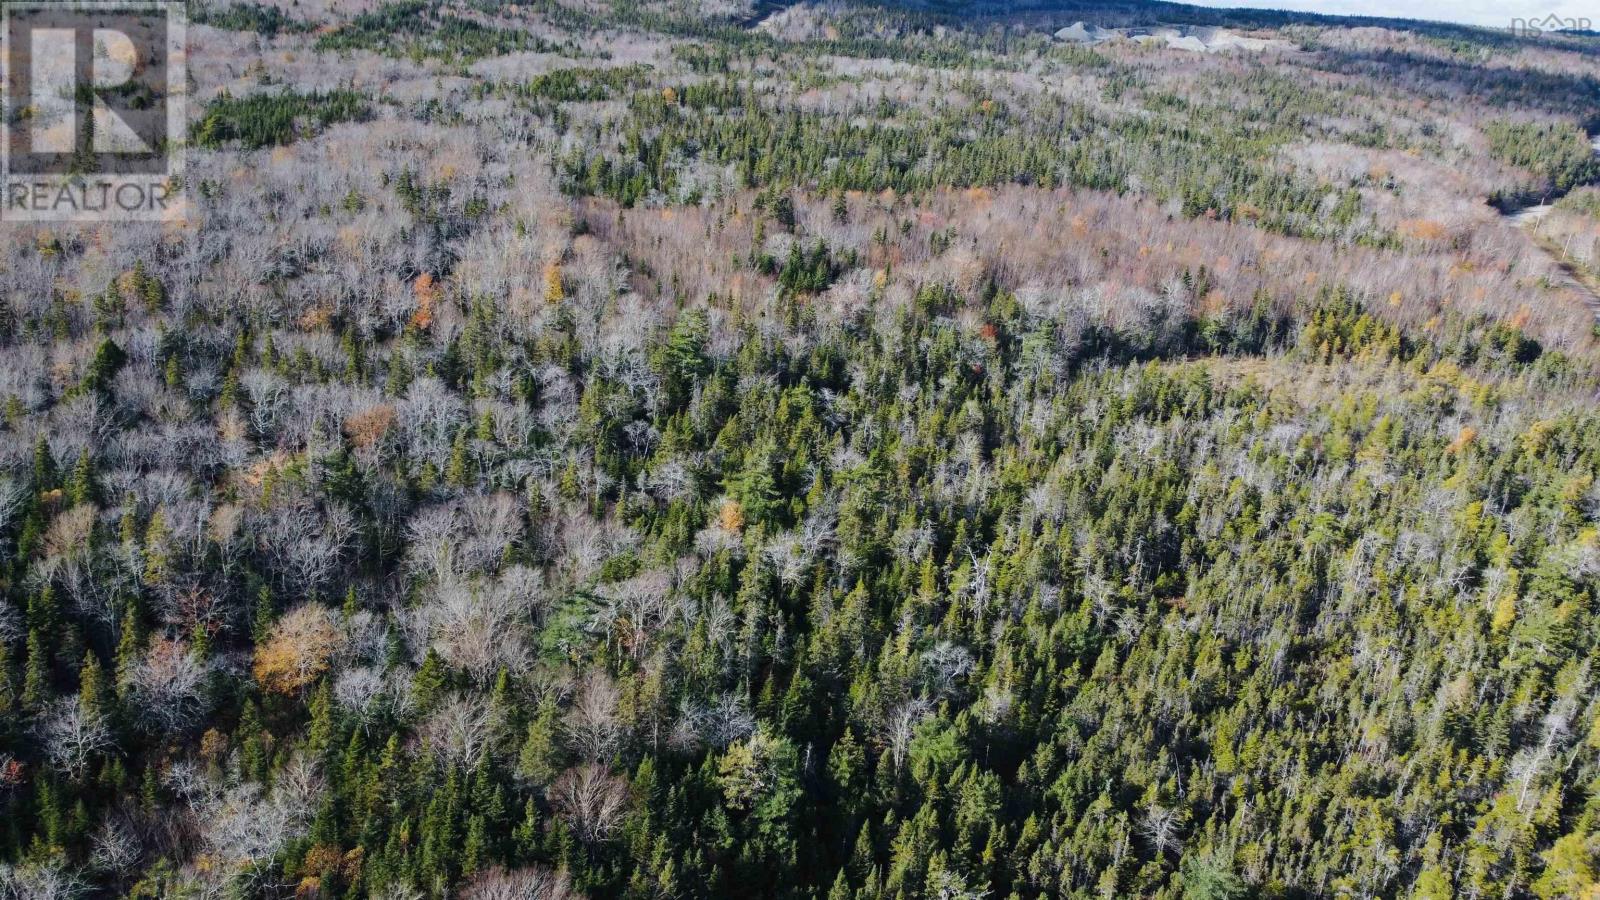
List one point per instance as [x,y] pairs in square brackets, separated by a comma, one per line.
[840,451]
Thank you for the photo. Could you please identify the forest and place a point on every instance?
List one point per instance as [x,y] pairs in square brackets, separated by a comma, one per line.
[663,449]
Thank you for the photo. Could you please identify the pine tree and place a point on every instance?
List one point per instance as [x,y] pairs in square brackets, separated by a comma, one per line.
[36,678]
[458,472]
[150,289]
[538,760]
[253,760]
[94,691]
[107,361]
[44,467]
[81,484]
[8,690]
[130,643]
[264,615]
[841,888]
[320,736]
[431,681]
[157,557]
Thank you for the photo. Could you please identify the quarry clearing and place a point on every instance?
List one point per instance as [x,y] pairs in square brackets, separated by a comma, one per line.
[1196,39]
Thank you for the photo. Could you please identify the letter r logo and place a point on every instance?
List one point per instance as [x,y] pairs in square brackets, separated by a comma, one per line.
[94,83]
[94,89]
[53,76]
[72,68]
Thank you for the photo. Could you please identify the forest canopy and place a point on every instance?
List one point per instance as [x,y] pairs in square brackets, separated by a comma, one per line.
[699,448]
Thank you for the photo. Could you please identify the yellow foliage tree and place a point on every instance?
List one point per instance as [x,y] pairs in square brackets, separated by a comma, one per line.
[731,516]
[553,290]
[298,650]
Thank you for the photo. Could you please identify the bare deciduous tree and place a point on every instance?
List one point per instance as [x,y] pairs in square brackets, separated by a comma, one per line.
[591,800]
[901,725]
[480,626]
[40,881]
[116,846]
[462,730]
[1161,825]
[592,728]
[531,883]
[943,666]
[72,735]
[167,687]
[719,724]
[305,543]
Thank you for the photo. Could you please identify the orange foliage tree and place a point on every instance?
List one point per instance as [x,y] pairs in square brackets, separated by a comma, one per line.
[299,649]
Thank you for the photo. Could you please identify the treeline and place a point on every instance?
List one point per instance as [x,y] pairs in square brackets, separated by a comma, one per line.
[267,21]
[583,85]
[1559,153]
[421,28]
[274,119]
[893,147]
